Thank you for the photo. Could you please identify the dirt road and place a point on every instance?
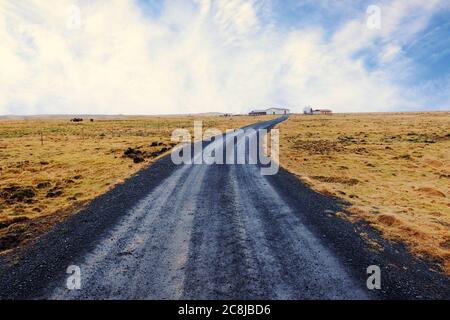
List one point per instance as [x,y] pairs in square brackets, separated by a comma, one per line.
[212,232]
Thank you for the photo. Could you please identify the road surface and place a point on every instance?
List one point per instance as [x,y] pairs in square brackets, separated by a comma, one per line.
[209,232]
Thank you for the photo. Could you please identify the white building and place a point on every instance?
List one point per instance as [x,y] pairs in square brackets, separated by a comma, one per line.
[270,111]
[310,110]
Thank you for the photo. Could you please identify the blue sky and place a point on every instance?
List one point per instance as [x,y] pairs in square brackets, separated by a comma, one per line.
[431,48]
[187,56]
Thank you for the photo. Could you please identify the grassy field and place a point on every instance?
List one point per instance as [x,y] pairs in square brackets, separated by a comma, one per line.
[50,168]
[393,169]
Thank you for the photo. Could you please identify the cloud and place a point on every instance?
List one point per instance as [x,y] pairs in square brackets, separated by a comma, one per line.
[201,55]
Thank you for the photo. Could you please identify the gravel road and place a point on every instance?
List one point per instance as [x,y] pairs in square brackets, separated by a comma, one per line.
[213,232]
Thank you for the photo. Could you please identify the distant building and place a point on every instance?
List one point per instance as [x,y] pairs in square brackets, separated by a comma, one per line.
[310,110]
[322,111]
[258,113]
[269,111]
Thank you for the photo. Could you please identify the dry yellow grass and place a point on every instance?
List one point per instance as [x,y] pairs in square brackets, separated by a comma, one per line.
[41,184]
[393,169]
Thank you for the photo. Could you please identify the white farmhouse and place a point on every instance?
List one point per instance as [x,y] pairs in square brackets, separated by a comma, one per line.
[277,111]
[269,111]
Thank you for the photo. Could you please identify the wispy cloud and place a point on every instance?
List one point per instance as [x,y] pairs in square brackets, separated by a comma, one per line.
[179,56]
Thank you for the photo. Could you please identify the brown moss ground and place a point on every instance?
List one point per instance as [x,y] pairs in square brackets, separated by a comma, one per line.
[393,169]
[41,185]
